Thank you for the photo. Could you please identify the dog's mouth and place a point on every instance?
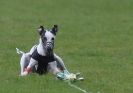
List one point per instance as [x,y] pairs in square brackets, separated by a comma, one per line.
[49,49]
[49,52]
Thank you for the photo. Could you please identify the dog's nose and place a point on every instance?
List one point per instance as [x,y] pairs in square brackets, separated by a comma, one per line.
[49,46]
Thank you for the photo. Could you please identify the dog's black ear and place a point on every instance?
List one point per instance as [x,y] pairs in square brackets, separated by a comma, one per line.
[54,29]
[40,30]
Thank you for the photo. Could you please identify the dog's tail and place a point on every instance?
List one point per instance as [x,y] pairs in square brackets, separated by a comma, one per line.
[19,51]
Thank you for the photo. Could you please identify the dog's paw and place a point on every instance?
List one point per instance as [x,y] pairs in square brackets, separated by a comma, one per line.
[25,73]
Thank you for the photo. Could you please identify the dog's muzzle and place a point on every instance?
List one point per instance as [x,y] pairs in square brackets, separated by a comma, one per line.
[49,48]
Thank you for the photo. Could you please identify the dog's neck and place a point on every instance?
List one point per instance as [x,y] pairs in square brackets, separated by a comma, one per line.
[40,49]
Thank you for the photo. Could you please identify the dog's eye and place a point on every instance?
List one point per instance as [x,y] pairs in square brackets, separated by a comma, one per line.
[52,39]
[44,38]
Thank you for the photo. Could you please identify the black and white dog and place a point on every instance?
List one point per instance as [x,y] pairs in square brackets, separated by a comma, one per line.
[41,57]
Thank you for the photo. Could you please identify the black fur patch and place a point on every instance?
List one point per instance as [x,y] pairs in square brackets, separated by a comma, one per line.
[42,62]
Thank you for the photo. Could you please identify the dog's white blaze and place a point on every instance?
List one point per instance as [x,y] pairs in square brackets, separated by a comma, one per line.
[49,36]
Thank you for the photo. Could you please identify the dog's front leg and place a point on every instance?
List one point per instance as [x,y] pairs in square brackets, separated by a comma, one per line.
[29,68]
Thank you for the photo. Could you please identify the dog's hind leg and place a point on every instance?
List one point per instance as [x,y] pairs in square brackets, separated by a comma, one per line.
[24,61]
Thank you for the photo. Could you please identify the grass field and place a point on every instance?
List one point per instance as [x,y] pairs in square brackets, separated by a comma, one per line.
[95,38]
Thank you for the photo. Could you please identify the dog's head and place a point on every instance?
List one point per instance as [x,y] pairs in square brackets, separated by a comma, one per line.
[48,37]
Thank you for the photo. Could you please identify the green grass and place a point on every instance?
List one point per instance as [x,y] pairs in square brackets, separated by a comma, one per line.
[95,38]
